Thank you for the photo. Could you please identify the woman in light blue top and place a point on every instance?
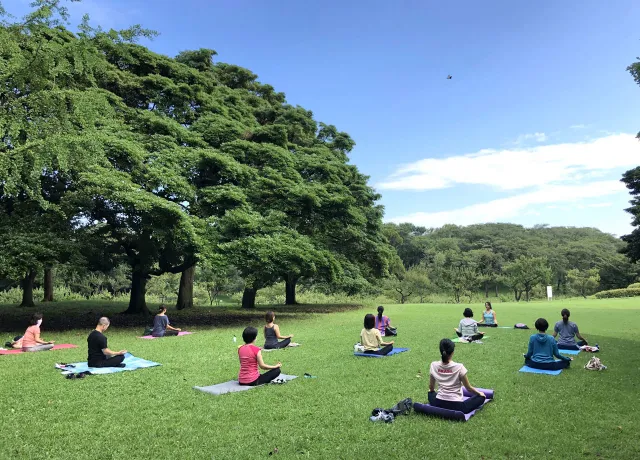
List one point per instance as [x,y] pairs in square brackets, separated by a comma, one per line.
[488,317]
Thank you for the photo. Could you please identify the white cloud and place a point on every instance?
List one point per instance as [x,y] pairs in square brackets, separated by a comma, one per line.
[505,209]
[578,126]
[513,169]
[537,137]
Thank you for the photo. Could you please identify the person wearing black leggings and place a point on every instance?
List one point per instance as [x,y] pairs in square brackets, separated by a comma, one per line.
[371,339]
[450,377]
[251,358]
[543,350]
[272,334]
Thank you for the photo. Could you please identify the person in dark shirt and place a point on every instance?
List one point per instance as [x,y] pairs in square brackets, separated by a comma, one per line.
[99,353]
[161,325]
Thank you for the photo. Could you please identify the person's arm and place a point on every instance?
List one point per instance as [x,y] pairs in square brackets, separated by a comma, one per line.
[432,383]
[529,350]
[555,330]
[380,342]
[557,354]
[495,319]
[266,366]
[37,338]
[580,336]
[467,385]
[171,328]
[276,329]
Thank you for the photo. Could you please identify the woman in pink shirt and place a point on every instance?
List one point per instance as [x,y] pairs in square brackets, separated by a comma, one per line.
[451,376]
[250,358]
[31,340]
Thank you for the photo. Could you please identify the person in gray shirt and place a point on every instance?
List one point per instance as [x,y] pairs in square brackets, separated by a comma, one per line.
[568,330]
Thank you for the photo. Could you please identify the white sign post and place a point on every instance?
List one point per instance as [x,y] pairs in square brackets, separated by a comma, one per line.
[549,293]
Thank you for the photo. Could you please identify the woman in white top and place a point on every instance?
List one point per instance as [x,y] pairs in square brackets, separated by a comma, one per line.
[451,376]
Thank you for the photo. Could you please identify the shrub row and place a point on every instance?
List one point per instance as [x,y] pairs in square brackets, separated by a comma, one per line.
[617,293]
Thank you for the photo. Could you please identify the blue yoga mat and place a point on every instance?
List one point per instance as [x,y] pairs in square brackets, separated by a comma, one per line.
[392,352]
[568,352]
[539,371]
[131,364]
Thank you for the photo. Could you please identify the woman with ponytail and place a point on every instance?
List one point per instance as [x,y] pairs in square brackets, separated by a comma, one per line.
[383,323]
[161,325]
[567,330]
[451,377]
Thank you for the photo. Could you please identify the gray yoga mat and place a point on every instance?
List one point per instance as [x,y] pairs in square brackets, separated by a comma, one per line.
[233,386]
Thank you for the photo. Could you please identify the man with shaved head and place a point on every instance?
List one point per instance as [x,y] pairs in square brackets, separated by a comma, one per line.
[99,353]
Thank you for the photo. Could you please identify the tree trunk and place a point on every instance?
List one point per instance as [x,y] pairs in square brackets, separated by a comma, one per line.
[517,294]
[48,285]
[290,288]
[27,289]
[526,294]
[249,297]
[185,292]
[137,299]
[497,293]
[486,289]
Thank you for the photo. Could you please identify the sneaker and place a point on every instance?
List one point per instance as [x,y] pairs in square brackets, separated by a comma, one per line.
[278,381]
[380,415]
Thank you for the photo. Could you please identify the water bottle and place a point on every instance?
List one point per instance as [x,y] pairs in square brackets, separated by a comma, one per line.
[234,339]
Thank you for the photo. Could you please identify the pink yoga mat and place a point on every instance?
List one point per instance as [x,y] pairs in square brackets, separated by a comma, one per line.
[62,346]
[152,337]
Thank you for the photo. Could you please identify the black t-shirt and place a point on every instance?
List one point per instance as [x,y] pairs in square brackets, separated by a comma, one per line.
[96,342]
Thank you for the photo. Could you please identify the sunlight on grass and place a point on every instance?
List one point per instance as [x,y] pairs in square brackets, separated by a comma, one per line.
[155,413]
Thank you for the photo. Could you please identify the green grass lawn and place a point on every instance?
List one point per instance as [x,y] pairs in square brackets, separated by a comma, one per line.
[155,413]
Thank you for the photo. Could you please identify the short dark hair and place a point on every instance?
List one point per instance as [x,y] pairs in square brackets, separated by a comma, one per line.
[369,321]
[542,324]
[468,313]
[35,318]
[269,316]
[447,347]
[249,334]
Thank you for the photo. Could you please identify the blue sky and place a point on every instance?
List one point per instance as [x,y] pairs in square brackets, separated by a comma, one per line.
[536,125]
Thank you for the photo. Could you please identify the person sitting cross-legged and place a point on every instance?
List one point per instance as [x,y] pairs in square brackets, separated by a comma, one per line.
[567,330]
[371,339]
[451,377]
[272,334]
[468,327]
[99,355]
[488,317]
[543,349]
[250,358]
[161,325]
[31,340]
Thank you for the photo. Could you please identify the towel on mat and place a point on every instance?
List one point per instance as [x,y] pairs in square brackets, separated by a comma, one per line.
[16,351]
[392,352]
[533,370]
[131,364]
[181,333]
[233,386]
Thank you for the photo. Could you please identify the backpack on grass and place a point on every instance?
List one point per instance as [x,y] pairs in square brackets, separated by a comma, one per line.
[595,364]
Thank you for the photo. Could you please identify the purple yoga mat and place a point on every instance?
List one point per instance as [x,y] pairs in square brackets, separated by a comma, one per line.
[453,414]
[152,337]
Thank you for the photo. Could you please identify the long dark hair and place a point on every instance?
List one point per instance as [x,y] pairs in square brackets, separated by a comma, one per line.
[35,318]
[565,315]
[269,316]
[488,304]
[380,311]
[447,347]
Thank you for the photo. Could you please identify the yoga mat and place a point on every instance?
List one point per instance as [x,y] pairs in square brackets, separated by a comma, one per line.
[531,370]
[569,352]
[428,409]
[150,337]
[62,346]
[232,386]
[395,351]
[457,339]
[131,364]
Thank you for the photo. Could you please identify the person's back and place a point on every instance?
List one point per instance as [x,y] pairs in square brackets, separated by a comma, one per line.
[248,363]
[96,342]
[370,339]
[543,348]
[270,337]
[29,337]
[468,327]
[567,332]
[448,376]
[160,323]
[381,324]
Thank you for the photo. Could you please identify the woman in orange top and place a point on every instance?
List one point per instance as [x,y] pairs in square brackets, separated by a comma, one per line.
[31,340]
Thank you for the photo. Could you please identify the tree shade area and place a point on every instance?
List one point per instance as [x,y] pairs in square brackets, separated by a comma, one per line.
[124,171]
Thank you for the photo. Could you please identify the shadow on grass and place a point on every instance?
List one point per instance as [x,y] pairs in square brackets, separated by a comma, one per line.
[62,316]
